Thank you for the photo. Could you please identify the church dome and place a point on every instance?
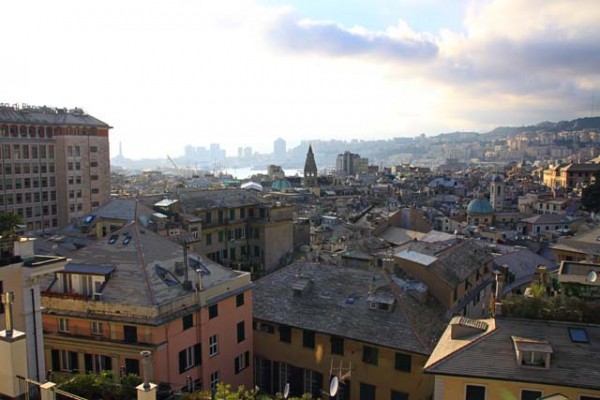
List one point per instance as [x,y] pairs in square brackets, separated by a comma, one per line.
[480,206]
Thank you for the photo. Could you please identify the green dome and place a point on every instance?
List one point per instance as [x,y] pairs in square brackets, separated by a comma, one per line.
[281,185]
[480,206]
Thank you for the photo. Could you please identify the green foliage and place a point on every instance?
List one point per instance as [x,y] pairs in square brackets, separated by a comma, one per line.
[225,392]
[9,222]
[590,197]
[103,385]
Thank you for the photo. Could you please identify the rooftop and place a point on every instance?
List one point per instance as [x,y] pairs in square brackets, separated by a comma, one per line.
[491,354]
[47,116]
[335,303]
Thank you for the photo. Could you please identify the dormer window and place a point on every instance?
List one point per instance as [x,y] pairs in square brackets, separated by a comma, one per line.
[532,353]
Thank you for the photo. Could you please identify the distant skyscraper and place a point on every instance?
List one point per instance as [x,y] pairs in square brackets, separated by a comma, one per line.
[350,164]
[248,152]
[310,169]
[279,148]
[190,152]
[240,152]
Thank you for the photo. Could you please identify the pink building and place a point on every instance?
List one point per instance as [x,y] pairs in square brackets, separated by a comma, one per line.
[134,290]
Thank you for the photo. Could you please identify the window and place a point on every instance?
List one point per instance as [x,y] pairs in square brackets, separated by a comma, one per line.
[187,321]
[189,358]
[213,346]
[263,327]
[578,335]
[475,392]
[213,311]
[241,331]
[208,217]
[232,214]
[64,360]
[398,395]
[367,392]
[285,334]
[312,382]
[63,325]
[220,236]
[308,339]
[242,213]
[208,239]
[239,300]
[132,366]
[402,362]
[241,362]
[129,333]
[214,380]
[337,345]
[370,355]
[93,149]
[530,394]
[97,328]
[97,363]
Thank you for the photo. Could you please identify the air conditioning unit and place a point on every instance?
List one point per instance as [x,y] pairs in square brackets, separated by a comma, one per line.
[97,296]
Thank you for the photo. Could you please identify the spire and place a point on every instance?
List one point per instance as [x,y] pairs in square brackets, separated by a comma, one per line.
[310,169]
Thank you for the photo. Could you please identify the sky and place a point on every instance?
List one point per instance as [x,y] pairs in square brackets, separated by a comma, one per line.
[166,74]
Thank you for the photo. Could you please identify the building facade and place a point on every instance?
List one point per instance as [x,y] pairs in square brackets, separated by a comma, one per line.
[314,321]
[55,164]
[135,290]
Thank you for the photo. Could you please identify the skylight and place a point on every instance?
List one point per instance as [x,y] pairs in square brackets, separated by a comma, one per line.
[112,239]
[579,335]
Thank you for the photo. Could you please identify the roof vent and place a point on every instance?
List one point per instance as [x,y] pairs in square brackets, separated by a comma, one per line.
[301,286]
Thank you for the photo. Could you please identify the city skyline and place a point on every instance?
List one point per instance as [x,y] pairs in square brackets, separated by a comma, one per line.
[243,75]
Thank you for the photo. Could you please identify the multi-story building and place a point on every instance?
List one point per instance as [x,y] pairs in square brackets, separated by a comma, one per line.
[569,176]
[314,321]
[234,227]
[459,276]
[349,164]
[54,163]
[135,290]
[506,358]
[279,149]
[21,274]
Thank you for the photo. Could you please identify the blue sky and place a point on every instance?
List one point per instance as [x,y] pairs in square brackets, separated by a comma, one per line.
[166,74]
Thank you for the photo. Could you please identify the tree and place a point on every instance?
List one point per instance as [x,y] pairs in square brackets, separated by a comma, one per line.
[590,198]
[224,392]
[9,222]
[102,386]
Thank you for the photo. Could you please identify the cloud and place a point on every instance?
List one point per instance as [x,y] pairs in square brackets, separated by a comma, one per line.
[329,38]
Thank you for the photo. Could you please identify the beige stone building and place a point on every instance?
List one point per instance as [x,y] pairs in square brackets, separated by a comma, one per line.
[55,164]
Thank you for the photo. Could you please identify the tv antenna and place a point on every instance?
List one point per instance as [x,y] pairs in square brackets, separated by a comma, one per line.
[339,375]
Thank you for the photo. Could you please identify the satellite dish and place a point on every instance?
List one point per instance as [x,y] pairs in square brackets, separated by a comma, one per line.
[592,277]
[286,391]
[334,385]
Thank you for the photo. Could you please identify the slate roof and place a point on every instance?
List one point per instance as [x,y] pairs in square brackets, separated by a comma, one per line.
[491,355]
[550,219]
[194,200]
[325,307]
[134,280]
[523,264]
[48,116]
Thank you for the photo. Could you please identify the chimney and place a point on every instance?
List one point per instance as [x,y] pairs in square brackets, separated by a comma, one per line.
[146,390]
[187,285]
[13,353]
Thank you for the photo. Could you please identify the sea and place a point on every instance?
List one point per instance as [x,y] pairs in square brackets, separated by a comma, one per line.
[247,172]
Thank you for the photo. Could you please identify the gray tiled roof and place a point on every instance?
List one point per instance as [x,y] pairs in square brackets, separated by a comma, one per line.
[207,199]
[324,305]
[48,116]
[492,355]
[134,280]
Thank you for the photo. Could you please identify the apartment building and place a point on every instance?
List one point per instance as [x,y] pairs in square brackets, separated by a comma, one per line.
[569,176]
[55,164]
[513,358]
[315,321]
[234,227]
[135,290]
[21,274]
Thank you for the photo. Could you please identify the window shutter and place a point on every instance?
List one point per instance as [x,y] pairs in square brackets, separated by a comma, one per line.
[197,355]
[182,361]
[236,367]
[107,363]
[247,356]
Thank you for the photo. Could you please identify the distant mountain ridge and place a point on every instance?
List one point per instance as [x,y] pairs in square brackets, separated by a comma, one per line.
[573,125]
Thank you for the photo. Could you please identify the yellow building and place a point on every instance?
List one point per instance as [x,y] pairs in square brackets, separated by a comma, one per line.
[313,321]
[506,359]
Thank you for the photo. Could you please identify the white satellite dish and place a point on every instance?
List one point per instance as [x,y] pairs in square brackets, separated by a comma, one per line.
[286,390]
[592,276]
[334,385]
